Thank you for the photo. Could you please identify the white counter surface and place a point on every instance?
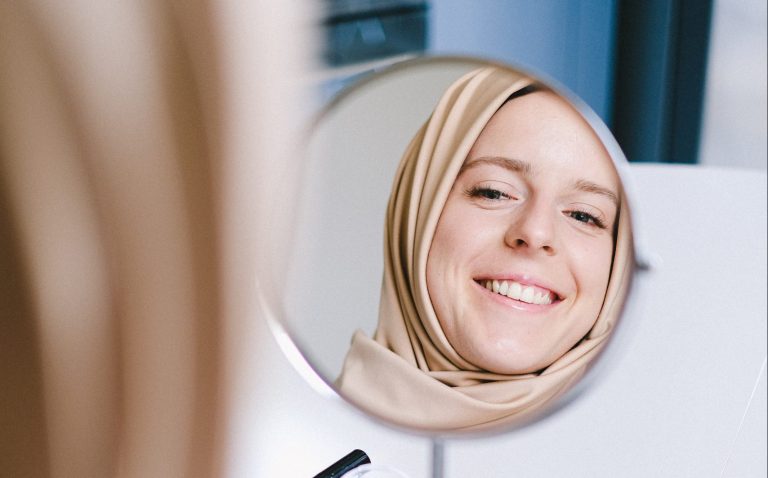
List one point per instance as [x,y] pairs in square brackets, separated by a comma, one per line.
[687,396]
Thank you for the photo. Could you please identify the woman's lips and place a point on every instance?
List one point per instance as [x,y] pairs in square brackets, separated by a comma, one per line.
[518,291]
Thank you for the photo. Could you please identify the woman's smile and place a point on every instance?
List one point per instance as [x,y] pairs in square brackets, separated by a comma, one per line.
[519,292]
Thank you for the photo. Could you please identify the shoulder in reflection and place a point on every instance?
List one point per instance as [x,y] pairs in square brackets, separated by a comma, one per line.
[506,261]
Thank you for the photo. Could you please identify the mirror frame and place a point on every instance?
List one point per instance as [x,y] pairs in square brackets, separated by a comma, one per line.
[269,302]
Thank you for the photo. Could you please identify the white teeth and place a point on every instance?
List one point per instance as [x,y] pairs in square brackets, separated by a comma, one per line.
[517,291]
[541,298]
[503,288]
[527,295]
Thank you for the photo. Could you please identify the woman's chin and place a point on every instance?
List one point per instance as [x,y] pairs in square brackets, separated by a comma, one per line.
[506,370]
[507,362]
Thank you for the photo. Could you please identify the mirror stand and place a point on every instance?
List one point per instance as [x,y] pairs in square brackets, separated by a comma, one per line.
[438,457]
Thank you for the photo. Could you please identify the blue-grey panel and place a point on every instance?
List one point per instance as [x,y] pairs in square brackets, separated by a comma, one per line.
[375,34]
[571,41]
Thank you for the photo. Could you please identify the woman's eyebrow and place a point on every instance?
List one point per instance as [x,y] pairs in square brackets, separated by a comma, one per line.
[590,187]
[514,165]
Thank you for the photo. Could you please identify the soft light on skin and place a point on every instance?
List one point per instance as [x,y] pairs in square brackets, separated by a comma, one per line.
[535,202]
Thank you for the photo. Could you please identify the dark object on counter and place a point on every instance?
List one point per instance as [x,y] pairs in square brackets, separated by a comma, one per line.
[349,462]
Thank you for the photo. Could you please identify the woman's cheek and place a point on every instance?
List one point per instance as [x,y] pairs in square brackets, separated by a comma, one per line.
[591,265]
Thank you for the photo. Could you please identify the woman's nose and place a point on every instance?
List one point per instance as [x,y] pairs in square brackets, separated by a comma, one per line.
[533,230]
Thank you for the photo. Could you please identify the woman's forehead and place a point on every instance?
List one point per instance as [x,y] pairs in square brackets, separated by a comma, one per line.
[543,133]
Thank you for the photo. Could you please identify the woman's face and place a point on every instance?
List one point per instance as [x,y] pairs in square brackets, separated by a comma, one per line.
[519,264]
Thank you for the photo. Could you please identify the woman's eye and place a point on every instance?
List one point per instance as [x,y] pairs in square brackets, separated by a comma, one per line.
[488,193]
[586,218]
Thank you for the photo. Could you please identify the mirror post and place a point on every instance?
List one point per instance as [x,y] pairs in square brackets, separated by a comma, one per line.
[438,457]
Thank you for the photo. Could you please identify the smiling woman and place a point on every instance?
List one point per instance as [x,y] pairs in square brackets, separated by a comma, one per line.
[507,259]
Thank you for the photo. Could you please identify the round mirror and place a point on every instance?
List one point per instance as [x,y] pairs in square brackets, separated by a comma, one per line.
[461,246]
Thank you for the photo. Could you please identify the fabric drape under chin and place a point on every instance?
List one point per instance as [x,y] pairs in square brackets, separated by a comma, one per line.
[409,373]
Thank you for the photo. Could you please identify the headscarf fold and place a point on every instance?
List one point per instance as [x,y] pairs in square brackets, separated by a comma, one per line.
[409,373]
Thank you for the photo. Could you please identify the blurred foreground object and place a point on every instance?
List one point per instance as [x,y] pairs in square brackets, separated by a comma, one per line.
[139,142]
[115,235]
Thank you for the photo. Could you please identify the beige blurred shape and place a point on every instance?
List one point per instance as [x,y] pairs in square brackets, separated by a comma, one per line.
[110,244]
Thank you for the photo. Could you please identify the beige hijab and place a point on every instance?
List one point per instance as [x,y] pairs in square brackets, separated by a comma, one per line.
[409,373]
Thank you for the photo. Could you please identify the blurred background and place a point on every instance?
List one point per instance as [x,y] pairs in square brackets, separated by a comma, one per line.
[663,74]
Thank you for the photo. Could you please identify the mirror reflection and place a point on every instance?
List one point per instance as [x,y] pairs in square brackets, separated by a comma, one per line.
[506,251]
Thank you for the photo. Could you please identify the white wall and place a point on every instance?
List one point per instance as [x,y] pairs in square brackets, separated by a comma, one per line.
[734,120]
